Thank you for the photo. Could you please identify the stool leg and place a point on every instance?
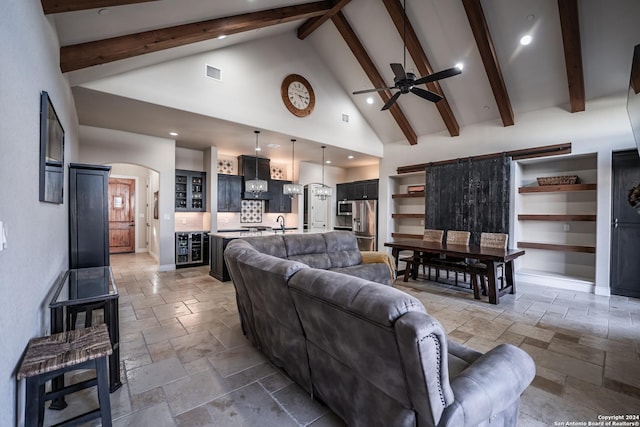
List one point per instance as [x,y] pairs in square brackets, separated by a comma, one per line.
[88,317]
[34,405]
[103,391]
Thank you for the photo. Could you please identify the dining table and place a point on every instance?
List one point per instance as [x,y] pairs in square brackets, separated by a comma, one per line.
[491,257]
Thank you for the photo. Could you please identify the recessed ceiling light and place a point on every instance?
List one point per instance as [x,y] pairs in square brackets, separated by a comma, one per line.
[222,36]
[258,149]
[272,145]
[103,12]
[328,162]
[485,107]
[173,133]
[370,100]
[459,66]
[525,40]
[349,157]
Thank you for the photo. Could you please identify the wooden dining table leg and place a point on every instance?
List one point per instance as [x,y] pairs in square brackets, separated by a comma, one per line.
[509,276]
[492,284]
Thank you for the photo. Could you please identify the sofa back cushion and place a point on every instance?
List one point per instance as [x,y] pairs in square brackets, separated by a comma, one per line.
[355,363]
[342,249]
[310,249]
[271,245]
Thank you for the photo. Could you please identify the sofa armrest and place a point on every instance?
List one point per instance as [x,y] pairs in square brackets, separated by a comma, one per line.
[490,385]
[383,257]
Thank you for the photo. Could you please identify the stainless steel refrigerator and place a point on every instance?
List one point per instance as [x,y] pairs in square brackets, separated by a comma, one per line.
[365,224]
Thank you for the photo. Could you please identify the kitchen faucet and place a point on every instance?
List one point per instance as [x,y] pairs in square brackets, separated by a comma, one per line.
[281,223]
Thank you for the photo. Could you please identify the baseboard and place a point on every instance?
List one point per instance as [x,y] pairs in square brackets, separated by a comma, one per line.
[141,250]
[166,267]
[555,281]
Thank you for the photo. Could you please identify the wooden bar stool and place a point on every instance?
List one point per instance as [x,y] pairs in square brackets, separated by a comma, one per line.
[51,356]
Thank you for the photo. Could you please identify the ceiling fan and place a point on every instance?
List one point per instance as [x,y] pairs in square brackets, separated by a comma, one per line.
[406,82]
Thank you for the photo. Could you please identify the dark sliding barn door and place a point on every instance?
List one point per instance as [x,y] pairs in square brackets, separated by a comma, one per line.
[625,236]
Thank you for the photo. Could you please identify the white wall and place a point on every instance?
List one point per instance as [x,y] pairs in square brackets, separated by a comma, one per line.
[248,69]
[312,173]
[154,232]
[37,232]
[141,177]
[602,128]
[188,159]
[363,173]
[103,146]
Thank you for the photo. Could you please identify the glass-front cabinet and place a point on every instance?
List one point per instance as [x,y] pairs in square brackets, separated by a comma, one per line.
[190,193]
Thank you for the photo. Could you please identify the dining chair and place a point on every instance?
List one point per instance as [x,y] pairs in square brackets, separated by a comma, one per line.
[414,261]
[455,237]
[490,240]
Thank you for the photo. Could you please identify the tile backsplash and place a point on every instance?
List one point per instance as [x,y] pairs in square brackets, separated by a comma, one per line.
[192,221]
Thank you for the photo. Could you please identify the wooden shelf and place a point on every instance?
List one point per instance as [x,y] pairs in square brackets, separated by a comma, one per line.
[557,247]
[406,236]
[544,217]
[408,215]
[408,195]
[556,188]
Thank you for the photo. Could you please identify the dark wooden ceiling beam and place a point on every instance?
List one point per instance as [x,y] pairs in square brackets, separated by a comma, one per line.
[480,30]
[396,12]
[350,37]
[312,24]
[570,25]
[60,6]
[99,52]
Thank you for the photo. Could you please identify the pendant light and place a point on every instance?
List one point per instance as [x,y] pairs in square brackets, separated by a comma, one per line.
[256,186]
[292,190]
[324,191]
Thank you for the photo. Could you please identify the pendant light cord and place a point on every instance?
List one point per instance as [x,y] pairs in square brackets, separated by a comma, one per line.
[323,147]
[404,36]
[256,153]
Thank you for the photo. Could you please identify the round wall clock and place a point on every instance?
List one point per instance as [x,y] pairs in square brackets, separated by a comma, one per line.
[297,95]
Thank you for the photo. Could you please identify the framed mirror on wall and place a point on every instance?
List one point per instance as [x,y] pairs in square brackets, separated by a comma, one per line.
[51,152]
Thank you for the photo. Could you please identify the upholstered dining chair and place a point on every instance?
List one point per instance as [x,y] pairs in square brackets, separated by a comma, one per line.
[416,260]
[490,240]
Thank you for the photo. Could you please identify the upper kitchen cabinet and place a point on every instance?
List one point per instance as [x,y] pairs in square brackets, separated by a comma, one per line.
[247,167]
[229,193]
[279,202]
[190,191]
[358,190]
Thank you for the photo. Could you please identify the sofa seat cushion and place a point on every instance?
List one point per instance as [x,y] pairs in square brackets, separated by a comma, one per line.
[376,272]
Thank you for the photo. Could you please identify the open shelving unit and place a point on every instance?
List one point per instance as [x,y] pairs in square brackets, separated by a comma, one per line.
[408,208]
[556,224]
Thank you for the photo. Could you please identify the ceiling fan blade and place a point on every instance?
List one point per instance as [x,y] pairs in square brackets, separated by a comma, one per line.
[398,71]
[438,76]
[428,95]
[379,89]
[392,101]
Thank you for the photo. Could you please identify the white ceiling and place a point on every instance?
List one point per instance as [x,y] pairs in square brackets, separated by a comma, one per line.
[535,75]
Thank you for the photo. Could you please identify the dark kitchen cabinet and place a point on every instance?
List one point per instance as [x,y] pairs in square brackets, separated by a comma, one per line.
[190,195]
[358,190]
[229,193]
[342,191]
[88,215]
[218,268]
[247,167]
[279,203]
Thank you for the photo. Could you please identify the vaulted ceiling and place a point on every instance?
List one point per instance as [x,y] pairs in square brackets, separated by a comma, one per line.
[580,50]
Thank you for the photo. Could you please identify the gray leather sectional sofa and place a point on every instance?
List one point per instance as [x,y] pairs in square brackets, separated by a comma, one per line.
[367,350]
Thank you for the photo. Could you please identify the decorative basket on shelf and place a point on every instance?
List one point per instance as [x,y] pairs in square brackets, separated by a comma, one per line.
[557,180]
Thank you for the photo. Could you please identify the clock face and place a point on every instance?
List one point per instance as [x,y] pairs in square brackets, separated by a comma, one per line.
[297,95]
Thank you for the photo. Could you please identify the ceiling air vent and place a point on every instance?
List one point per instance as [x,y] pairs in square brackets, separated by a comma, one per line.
[345,118]
[214,73]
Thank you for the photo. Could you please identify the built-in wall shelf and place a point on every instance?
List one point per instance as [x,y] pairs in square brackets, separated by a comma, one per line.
[408,215]
[557,247]
[562,218]
[406,236]
[408,195]
[556,188]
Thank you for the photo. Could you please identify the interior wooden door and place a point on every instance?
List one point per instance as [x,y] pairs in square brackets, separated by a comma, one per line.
[625,240]
[122,230]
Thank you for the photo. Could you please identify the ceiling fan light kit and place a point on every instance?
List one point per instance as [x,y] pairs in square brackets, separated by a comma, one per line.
[406,82]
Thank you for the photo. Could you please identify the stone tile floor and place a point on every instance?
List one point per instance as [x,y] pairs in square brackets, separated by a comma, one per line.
[185,361]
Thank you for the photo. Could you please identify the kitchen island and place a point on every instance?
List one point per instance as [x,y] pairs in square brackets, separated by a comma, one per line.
[218,242]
